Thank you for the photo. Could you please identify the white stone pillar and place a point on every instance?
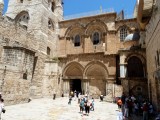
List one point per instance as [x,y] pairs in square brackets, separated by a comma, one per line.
[87,87]
[66,87]
[109,90]
[123,70]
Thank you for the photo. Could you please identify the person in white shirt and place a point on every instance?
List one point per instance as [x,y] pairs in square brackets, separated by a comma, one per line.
[1,107]
[119,115]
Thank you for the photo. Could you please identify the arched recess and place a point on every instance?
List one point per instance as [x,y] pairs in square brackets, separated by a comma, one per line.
[123,26]
[97,73]
[135,66]
[139,91]
[96,26]
[74,29]
[22,18]
[95,70]
[73,70]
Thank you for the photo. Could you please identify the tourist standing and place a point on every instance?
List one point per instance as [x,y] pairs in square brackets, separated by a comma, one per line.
[145,110]
[87,107]
[70,99]
[54,94]
[81,105]
[75,95]
[1,107]
[101,98]
[92,104]
[123,98]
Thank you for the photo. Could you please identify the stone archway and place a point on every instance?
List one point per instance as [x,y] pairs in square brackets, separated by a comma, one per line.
[96,73]
[72,77]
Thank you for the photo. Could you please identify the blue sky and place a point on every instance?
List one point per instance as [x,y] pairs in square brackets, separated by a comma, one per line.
[81,6]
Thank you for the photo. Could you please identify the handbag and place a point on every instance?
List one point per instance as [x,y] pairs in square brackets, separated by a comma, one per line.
[3,110]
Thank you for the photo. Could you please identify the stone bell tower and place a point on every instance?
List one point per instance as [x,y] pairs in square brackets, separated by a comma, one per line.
[1,7]
[40,18]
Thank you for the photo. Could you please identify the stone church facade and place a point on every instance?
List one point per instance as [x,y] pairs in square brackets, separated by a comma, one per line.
[96,52]
[41,53]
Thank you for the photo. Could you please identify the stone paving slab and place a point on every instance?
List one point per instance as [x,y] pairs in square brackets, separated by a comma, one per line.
[48,109]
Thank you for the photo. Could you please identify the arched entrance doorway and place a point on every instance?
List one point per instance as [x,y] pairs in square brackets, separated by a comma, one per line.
[72,78]
[135,67]
[75,85]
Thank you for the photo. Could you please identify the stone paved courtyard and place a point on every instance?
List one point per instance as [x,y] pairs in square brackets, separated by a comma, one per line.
[48,109]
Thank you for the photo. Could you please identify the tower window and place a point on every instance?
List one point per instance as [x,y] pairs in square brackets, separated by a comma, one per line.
[48,51]
[53,6]
[50,25]
[123,33]
[22,18]
[96,38]
[25,76]
[77,41]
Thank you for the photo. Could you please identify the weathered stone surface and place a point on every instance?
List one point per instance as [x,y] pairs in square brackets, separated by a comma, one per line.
[39,55]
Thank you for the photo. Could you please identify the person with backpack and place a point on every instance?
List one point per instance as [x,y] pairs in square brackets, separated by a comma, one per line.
[81,105]
[87,107]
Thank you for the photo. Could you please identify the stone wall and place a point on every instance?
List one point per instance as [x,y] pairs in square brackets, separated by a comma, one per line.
[153,52]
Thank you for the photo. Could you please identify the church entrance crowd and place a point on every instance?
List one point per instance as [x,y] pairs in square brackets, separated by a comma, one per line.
[130,106]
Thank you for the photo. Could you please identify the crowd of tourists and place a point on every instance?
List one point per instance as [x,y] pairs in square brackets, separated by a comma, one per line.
[85,103]
[130,105]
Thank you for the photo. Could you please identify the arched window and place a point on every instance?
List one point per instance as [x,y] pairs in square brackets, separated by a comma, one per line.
[50,25]
[25,76]
[135,67]
[48,51]
[77,41]
[22,18]
[96,38]
[51,5]
[123,33]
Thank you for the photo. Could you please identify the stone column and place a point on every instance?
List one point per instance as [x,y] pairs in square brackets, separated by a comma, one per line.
[109,90]
[66,88]
[123,70]
[85,86]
